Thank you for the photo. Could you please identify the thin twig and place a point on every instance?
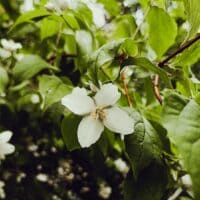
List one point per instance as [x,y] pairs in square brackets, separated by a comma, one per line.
[179,50]
[156,89]
[126,88]
[167,59]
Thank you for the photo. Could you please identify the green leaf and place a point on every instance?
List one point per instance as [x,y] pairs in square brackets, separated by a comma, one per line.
[192,8]
[29,66]
[112,6]
[48,27]
[188,57]
[71,21]
[125,27]
[145,63]
[69,131]
[150,185]
[173,104]
[162,30]
[4,79]
[143,146]
[70,44]
[186,137]
[52,89]
[129,48]
[26,17]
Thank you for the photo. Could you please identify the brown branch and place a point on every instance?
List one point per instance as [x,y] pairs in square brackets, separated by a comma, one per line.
[179,50]
[126,88]
[167,59]
[156,89]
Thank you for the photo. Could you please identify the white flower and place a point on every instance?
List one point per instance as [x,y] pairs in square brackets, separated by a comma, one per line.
[104,191]
[42,177]
[57,5]
[4,53]
[5,147]
[10,45]
[27,5]
[186,179]
[98,12]
[2,192]
[98,112]
[121,166]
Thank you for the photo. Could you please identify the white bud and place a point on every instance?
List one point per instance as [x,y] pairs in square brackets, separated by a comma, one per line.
[121,166]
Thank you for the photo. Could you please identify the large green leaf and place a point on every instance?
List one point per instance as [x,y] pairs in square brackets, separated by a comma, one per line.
[162,30]
[52,89]
[187,139]
[49,26]
[69,128]
[150,185]
[182,121]
[125,26]
[192,8]
[143,146]
[172,106]
[28,16]
[29,66]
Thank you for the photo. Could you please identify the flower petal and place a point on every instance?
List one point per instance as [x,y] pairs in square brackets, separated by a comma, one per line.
[7,148]
[108,95]
[5,136]
[89,131]
[117,120]
[78,102]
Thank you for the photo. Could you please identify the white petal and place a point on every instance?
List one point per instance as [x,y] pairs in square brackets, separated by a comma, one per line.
[89,131]
[108,95]
[78,102]
[7,149]
[117,120]
[5,136]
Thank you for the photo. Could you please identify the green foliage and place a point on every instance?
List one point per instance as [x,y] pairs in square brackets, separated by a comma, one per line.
[52,89]
[162,30]
[87,44]
[182,123]
[192,9]
[29,66]
[69,128]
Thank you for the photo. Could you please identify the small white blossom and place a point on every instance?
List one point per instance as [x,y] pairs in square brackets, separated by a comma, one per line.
[121,166]
[186,179]
[57,5]
[4,53]
[19,56]
[35,98]
[98,12]
[97,9]
[139,16]
[2,192]
[27,5]
[42,177]
[5,147]
[98,112]
[10,45]
[105,191]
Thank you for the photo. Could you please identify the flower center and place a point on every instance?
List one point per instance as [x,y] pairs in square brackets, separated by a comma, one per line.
[98,113]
